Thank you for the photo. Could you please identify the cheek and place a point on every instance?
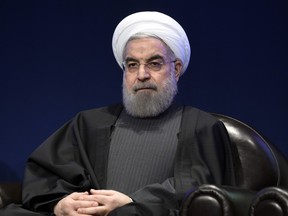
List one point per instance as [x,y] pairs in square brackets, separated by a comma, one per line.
[129,81]
[160,79]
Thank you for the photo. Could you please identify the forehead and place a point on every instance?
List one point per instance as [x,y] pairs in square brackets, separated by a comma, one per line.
[145,47]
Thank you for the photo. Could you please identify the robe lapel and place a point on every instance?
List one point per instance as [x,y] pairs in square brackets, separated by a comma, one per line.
[101,144]
[185,151]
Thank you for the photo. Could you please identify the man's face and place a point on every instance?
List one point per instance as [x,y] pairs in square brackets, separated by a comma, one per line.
[149,90]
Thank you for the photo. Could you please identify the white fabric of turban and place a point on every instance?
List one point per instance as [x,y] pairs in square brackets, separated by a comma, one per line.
[152,23]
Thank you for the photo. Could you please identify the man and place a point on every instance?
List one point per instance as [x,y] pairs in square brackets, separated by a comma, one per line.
[138,158]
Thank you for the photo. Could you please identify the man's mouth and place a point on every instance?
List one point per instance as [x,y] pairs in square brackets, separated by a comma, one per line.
[142,89]
[145,88]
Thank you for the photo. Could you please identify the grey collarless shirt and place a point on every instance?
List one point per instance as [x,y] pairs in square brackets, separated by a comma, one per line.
[142,150]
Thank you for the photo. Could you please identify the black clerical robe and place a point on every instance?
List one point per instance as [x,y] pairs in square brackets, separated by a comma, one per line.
[74,159]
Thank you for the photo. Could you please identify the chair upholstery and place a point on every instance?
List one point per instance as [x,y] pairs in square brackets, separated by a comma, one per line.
[211,200]
[10,192]
[270,201]
[255,154]
[262,166]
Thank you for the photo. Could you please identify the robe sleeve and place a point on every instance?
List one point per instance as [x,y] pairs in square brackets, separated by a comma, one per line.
[205,154]
[65,162]
[54,170]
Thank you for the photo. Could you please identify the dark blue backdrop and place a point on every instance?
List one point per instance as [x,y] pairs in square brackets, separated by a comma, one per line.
[56,60]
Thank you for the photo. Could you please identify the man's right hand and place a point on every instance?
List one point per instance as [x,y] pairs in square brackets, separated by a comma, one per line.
[68,205]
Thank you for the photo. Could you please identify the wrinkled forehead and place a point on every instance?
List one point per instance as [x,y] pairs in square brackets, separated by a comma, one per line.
[154,45]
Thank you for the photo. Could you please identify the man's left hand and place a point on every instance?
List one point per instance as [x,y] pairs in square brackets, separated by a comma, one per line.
[108,200]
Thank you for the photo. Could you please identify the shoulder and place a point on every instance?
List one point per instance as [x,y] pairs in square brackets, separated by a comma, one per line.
[100,115]
[199,115]
[201,120]
[102,111]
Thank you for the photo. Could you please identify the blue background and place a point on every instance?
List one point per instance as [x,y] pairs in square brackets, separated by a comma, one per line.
[56,60]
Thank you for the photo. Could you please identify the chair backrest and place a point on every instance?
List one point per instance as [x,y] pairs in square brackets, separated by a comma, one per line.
[259,164]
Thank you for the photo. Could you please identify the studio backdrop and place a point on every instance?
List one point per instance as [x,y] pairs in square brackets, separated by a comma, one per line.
[56,60]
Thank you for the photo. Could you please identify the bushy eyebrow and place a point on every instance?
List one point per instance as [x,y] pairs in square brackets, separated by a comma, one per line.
[155,57]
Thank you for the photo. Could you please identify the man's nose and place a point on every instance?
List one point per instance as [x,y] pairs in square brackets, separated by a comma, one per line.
[143,73]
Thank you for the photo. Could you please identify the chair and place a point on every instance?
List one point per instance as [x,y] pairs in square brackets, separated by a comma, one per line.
[260,189]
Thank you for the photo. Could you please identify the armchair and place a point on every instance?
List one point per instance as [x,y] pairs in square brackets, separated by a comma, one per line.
[260,188]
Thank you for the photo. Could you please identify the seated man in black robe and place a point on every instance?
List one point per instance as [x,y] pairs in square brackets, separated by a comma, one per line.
[139,157]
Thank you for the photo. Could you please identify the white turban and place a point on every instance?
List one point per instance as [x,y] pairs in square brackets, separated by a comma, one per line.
[154,23]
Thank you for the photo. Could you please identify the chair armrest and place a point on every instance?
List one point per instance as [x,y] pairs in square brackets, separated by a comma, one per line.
[10,193]
[270,201]
[211,200]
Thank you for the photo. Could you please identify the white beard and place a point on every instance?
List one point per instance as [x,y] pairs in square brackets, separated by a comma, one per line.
[152,102]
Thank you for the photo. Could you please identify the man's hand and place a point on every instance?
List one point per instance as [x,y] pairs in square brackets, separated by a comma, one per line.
[107,201]
[69,205]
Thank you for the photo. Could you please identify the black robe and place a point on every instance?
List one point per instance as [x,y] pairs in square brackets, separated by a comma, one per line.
[74,159]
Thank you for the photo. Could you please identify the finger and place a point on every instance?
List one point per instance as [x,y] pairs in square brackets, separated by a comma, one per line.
[99,210]
[78,214]
[110,196]
[77,195]
[90,197]
[103,192]
[95,200]
[85,204]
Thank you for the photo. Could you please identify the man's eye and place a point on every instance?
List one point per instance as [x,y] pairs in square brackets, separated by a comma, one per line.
[155,64]
[132,65]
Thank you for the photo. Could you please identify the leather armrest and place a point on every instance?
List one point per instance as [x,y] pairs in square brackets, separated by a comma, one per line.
[211,200]
[10,193]
[270,201]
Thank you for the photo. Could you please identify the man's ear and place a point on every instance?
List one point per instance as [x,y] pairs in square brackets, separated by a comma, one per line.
[178,67]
